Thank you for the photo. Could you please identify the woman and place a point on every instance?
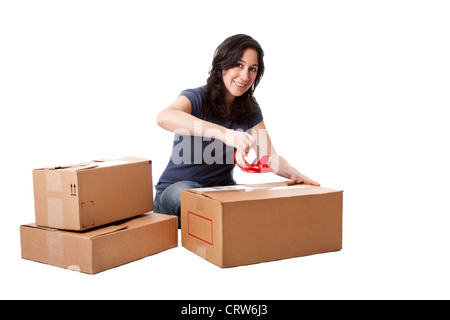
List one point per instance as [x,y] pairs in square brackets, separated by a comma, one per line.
[210,122]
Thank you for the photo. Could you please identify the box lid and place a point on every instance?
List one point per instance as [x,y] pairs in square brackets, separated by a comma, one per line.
[90,234]
[108,229]
[97,164]
[259,191]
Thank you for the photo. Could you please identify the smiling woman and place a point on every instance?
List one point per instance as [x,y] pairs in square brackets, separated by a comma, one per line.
[239,55]
[213,121]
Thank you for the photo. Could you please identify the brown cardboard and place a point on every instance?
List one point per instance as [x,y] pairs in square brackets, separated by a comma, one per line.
[88,195]
[246,224]
[102,248]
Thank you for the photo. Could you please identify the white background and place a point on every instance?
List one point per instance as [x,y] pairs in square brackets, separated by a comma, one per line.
[354,96]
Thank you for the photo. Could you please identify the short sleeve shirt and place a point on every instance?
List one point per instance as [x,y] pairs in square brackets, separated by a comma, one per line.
[208,162]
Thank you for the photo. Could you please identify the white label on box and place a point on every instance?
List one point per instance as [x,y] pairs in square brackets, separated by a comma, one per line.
[111,163]
[235,187]
[297,186]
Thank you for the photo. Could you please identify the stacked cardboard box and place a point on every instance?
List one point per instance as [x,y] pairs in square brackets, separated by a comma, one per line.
[94,216]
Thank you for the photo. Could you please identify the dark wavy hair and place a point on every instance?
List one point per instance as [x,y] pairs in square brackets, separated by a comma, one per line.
[227,56]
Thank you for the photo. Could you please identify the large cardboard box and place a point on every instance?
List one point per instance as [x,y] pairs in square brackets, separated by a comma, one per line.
[246,224]
[88,195]
[102,248]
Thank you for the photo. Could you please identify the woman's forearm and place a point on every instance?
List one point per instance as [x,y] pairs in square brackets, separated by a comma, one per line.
[281,166]
[186,124]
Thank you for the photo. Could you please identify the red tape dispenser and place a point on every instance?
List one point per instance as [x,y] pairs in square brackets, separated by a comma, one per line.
[256,164]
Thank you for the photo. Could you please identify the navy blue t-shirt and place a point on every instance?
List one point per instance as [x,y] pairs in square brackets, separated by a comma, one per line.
[208,162]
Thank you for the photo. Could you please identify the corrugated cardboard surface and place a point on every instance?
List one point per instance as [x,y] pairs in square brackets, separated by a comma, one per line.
[84,196]
[250,224]
[102,248]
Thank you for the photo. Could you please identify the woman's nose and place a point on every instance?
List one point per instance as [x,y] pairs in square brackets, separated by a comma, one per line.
[244,74]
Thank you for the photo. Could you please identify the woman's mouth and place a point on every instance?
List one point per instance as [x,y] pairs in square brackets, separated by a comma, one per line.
[240,85]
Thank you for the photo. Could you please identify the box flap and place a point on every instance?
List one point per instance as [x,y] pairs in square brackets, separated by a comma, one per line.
[259,191]
[97,164]
[90,234]
[72,167]
[147,218]
[33,225]
[131,223]
[103,231]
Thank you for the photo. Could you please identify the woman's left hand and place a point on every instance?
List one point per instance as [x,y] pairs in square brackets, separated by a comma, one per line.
[298,178]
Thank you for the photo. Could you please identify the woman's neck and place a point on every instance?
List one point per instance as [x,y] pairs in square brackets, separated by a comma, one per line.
[229,99]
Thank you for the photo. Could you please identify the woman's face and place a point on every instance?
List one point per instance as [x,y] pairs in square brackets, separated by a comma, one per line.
[239,79]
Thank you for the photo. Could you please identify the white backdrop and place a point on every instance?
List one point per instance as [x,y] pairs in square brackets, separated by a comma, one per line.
[354,96]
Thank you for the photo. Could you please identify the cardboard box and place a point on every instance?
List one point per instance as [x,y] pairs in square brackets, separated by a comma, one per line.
[102,248]
[246,224]
[88,195]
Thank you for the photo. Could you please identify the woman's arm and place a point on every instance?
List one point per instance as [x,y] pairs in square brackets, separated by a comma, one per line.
[278,163]
[177,118]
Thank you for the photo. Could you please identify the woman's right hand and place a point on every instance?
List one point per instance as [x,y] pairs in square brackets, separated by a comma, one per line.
[239,140]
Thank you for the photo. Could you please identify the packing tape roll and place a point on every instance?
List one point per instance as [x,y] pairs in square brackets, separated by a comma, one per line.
[259,163]
[251,160]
